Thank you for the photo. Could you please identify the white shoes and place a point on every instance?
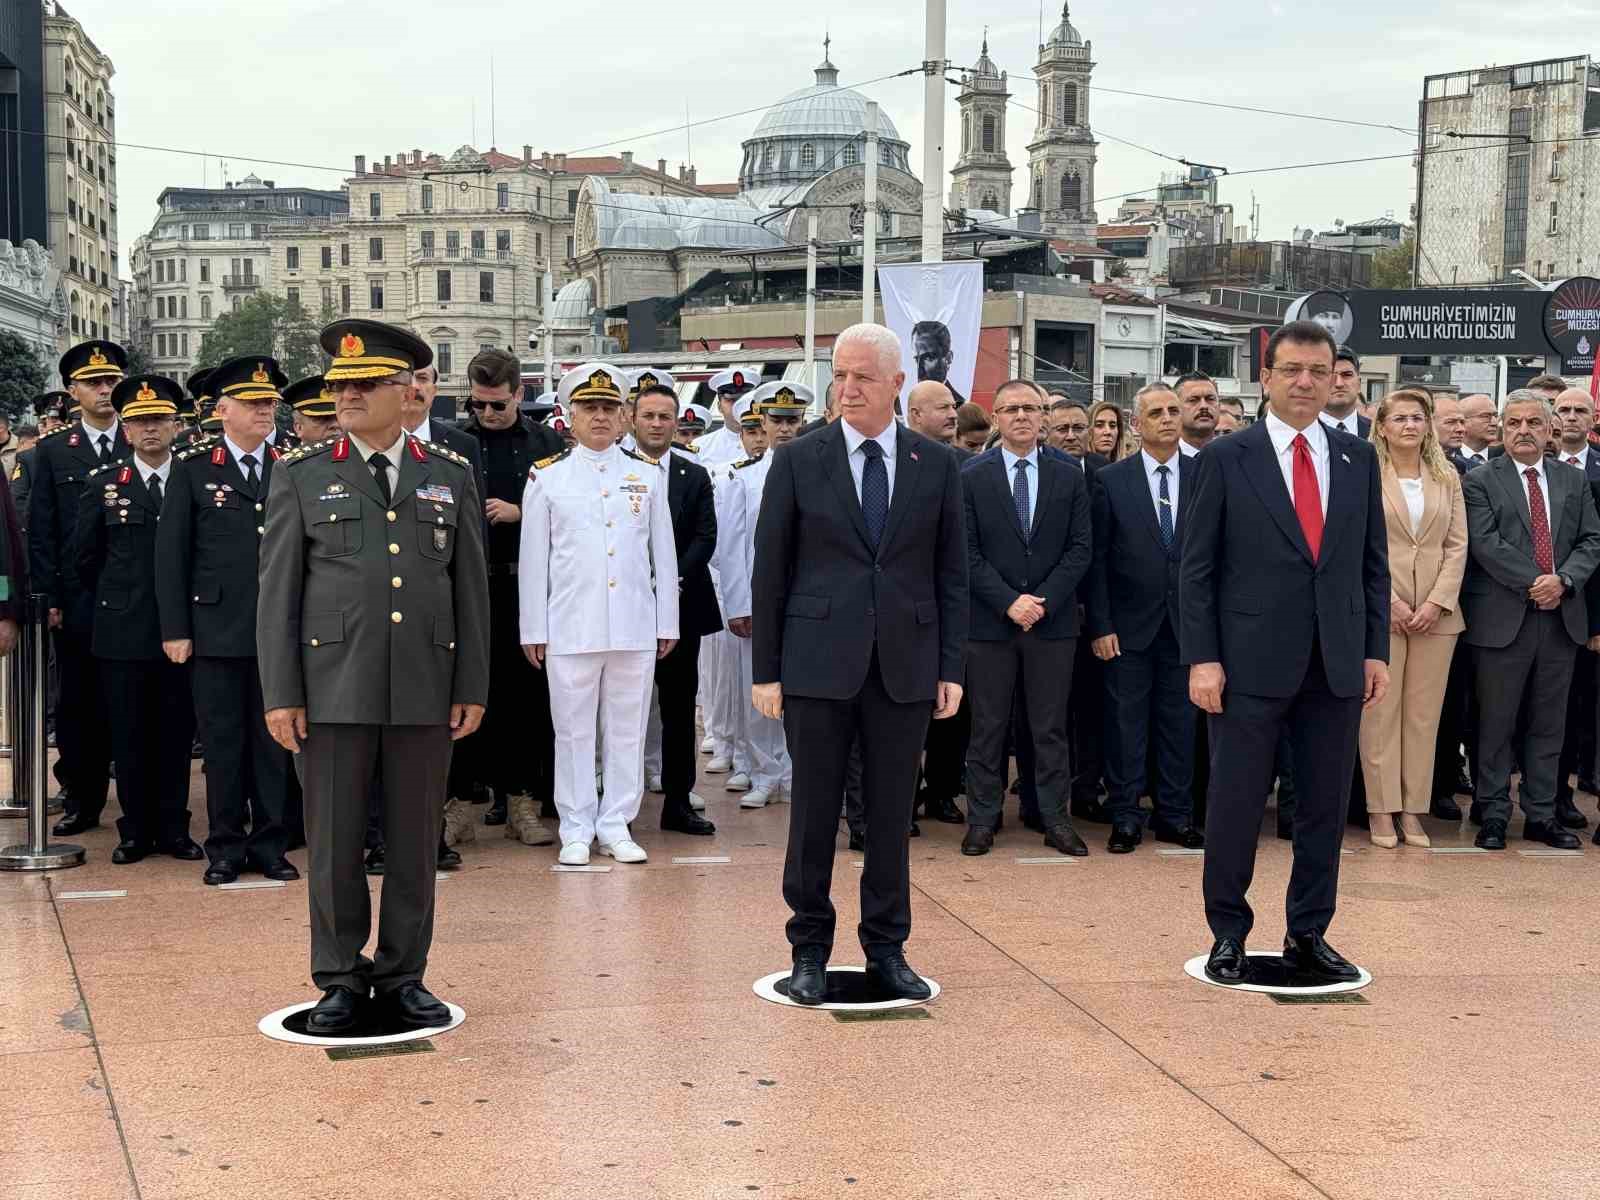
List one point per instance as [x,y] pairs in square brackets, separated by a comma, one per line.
[653,784]
[737,783]
[755,798]
[719,765]
[708,745]
[459,825]
[696,803]
[625,851]
[574,854]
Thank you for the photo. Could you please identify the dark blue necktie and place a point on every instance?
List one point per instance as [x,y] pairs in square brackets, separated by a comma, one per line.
[1164,508]
[1019,497]
[874,491]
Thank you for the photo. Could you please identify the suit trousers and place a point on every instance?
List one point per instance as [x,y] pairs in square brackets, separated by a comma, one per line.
[677,680]
[824,731]
[1533,675]
[1578,742]
[1086,724]
[1458,725]
[1147,693]
[83,733]
[765,745]
[152,731]
[1322,731]
[608,689]
[944,757]
[515,745]
[338,764]
[1040,671]
[1399,734]
[246,771]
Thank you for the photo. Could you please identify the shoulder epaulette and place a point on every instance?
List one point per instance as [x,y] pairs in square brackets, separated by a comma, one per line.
[306,451]
[197,447]
[552,460]
[445,452]
[747,462]
[107,467]
[641,456]
[692,447]
[57,431]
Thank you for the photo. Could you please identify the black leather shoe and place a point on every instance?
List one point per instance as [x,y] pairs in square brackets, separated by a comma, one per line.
[1227,962]
[283,870]
[1492,836]
[339,1011]
[1187,836]
[1065,839]
[1475,813]
[374,864]
[1125,837]
[1550,834]
[1285,832]
[496,814]
[1308,954]
[72,826]
[856,842]
[808,982]
[449,858]
[414,1006]
[1445,808]
[945,810]
[128,851]
[680,818]
[1568,816]
[186,849]
[979,839]
[893,974]
[1090,808]
[220,872]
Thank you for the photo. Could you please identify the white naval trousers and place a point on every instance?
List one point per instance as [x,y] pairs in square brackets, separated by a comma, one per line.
[610,688]
[767,747]
[710,700]
[652,736]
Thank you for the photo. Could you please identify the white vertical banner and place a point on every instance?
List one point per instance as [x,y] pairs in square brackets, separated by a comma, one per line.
[936,308]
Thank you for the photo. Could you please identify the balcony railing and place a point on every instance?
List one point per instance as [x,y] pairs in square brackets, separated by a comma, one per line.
[460,254]
[241,281]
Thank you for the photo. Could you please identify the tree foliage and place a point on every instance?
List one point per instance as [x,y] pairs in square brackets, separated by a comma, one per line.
[1391,267]
[23,375]
[266,324]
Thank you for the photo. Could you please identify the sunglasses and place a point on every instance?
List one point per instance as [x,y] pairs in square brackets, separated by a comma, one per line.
[480,405]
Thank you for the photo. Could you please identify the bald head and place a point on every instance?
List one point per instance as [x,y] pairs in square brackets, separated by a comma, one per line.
[931,411]
[1478,426]
[1574,415]
[1447,422]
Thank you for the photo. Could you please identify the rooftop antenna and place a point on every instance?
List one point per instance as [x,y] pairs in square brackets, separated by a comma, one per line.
[688,133]
[1041,22]
[491,102]
[474,142]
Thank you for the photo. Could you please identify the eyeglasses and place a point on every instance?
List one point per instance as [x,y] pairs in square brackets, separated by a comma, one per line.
[480,405]
[1027,410]
[1295,370]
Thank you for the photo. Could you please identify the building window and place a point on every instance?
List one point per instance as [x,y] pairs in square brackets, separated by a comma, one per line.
[569,247]
[1515,236]
[327,297]
[427,197]
[291,258]
[205,270]
[205,308]
[376,297]
[183,269]
[988,133]
[183,306]
[344,297]
[202,233]
[161,344]
[344,254]
[292,295]
[502,243]
[886,154]
[234,305]
[1071,193]
[374,249]
[1552,228]
[375,204]
[477,243]
[486,287]
[443,286]
[184,341]
[502,195]
[808,157]
[966,132]
[258,232]
[327,258]
[452,243]
[538,245]
[161,305]
[427,243]
[990,202]
[441,358]
[849,155]
[1434,137]
[766,157]
[1069,104]
[236,231]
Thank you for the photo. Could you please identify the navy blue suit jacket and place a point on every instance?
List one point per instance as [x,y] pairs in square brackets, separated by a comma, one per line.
[1252,597]
[1002,564]
[1133,584]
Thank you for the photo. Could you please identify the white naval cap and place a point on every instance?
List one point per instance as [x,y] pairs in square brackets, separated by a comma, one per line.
[734,379]
[694,414]
[781,396]
[742,409]
[649,377]
[592,381]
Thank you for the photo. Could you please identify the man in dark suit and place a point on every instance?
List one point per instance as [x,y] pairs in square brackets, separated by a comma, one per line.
[1480,428]
[58,474]
[694,530]
[1343,411]
[1028,531]
[858,617]
[1284,595]
[1533,542]
[1574,416]
[1139,506]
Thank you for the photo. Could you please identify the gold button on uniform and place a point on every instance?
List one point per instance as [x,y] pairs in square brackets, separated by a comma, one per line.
[261,528]
[314,642]
[611,583]
[609,524]
[333,517]
[611,552]
[391,516]
[394,548]
[260,507]
[395,617]
[604,493]
[451,646]
[395,582]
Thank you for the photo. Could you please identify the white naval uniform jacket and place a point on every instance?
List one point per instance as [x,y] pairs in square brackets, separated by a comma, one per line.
[596,541]
[738,506]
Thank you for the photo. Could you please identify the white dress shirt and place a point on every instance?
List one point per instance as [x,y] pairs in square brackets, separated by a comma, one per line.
[1151,467]
[260,454]
[94,435]
[392,454]
[1476,457]
[1582,457]
[423,432]
[1544,490]
[1187,450]
[1031,475]
[1411,489]
[160,472]
[858,461]
[1283,435]
[1350,423]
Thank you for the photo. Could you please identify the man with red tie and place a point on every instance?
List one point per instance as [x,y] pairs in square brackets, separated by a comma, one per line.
[1284,595]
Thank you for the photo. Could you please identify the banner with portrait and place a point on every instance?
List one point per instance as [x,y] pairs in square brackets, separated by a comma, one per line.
[936,308]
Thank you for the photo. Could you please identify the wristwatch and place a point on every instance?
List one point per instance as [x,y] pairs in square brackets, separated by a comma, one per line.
[1566,582]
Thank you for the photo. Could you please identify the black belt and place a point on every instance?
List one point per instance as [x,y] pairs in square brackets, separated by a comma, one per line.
[502,569]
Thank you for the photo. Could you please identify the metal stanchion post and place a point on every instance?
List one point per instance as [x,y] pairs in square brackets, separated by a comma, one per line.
[17,671]
[30,753]
[6,706]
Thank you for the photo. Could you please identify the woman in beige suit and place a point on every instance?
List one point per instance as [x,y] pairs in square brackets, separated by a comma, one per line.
[1427,522]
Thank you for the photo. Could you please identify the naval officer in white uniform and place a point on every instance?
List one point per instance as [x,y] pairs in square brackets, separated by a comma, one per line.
[596,539]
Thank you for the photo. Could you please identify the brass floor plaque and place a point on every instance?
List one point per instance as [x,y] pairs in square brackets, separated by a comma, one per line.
[346,1053]
[1331,998]
[887,1014]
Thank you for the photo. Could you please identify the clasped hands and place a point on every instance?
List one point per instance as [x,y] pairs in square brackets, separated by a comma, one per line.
[1546,592]
[1405,619]
[767,698]
[1027,611]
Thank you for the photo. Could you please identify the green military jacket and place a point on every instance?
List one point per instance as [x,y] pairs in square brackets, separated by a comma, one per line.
[373,613]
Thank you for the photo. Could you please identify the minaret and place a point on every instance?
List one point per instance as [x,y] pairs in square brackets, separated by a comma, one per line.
[981,177]
[1061,156]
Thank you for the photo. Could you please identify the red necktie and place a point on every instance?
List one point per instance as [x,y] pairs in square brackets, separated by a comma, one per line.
[1572,460]
[1308,496]
[1543,553]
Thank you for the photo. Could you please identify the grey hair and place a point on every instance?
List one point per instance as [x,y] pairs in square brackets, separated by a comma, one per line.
[1149,389]
[1527,396]
[880,338]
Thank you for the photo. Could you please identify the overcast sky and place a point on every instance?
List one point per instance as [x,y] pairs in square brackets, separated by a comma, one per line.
[317,82]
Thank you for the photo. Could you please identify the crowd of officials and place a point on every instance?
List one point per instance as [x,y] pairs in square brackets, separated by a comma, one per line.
[141,513]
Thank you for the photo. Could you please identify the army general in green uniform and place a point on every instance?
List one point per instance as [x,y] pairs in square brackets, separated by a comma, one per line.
[373,635]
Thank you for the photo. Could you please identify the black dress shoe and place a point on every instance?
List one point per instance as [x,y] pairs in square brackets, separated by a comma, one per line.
[1227,962]
[220,872]
[1065,840]
[1090,808]
[414,1006]
[1187,836]
[808,982]
[1568,816]
[449,858]
[339,1011]
[283,870]
[856,841]
[72,825]
[128,851]
[1475,813]
[979,839]
[1550,834]
[1492,836]
[1445,808]
[1285,832]
[680,818]
[186,849]
[893,974]
[944,809]
[1125,837]
[1308,954]
[374,863]
[496,814]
